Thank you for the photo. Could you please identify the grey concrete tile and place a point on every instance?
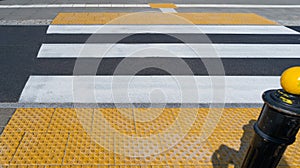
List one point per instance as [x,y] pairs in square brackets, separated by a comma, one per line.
[19,14]
[1,130]
[7,111]
[4,13]
[14,2]
[5,115]
[47,13]
[4,120]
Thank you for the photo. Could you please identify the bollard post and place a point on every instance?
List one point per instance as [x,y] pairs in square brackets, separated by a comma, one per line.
[278,123]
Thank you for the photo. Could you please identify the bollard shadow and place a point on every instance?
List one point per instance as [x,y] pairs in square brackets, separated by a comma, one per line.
[226,156]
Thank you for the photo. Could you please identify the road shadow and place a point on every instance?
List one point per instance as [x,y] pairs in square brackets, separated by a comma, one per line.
[226,156]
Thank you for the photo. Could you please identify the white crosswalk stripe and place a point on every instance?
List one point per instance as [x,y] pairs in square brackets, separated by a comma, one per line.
[170,50]
[142,89]
[151,88]
[191,29]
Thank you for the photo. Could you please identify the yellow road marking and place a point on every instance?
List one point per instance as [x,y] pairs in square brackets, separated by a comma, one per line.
[162,5]
[80,137]
[162,18]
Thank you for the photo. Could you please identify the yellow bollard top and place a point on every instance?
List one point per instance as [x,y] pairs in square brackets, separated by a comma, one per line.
[290,80]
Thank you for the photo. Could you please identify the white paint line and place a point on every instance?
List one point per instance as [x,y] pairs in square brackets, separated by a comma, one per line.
[196,29]
[169,50]
[77,6]
[147,89]
[92,5]
[234,6]
[168,10]
[146,6]
[117,5]
[54,6]
[66,5]
[104,5]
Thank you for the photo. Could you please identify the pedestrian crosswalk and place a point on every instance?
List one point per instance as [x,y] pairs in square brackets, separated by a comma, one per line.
[90,87]
[182,75]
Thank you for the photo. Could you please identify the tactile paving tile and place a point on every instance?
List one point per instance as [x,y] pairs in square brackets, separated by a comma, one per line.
[185,137]
[41,148]
[136,150]
[28,166]
[112,119]
[148,18]
[156,120]
[85,149]
[72,120]
[162,5]
[234,119]
[30,120]
[186,149]
[193,119]
[9,142]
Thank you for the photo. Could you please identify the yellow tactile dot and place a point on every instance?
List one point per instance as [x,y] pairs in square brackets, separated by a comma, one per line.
[155,120]
[196,117]
[9,142]
[28,166]
[162,5]
[121,120]
[233,119]
[138,150]
[30,120]
[161,18]
[84,149]
[189,151]
[72,120]
[41,148]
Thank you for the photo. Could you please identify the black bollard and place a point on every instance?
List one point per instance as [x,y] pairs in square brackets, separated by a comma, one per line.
[275,129]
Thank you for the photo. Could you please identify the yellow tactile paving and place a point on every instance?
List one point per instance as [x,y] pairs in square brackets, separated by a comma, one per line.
[162,18]
[67,120]
[41,148]
[162,5]
[30,120]
[120,119]
[156,120]
[125,137]
[234,120]
[8,144]
[190,150]
[83,149]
